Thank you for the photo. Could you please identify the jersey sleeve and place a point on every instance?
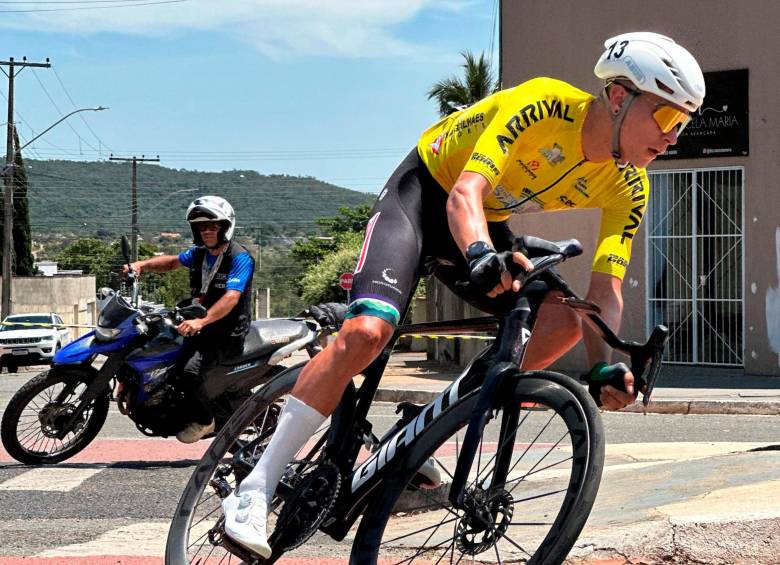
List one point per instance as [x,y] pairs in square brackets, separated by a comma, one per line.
[240,272]
[494,151]
[619,225]
[186,257]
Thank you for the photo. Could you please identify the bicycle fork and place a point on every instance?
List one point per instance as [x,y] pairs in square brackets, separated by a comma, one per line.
[513,334]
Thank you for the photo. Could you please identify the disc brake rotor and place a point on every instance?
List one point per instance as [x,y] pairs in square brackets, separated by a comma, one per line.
[487,519]
[53,417]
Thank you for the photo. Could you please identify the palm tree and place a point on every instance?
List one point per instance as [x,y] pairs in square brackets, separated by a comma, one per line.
[454,93]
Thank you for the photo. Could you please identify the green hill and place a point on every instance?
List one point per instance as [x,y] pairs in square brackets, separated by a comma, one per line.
[93,199]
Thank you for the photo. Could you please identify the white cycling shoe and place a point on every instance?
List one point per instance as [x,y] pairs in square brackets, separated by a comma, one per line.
[428,476]
[246,516]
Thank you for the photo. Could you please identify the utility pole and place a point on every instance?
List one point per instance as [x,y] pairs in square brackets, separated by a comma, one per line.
[8,171]
[134,200]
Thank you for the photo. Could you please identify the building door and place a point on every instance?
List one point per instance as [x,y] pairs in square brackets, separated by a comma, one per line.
[695,263]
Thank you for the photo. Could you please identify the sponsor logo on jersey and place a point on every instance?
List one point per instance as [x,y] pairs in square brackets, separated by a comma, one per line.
[468,122]
[528,193]
[581,186]
[529,168]
[554,154]
[530,114]
[487,161]
[617,259]
[634,181]
[436,144]
[565,199]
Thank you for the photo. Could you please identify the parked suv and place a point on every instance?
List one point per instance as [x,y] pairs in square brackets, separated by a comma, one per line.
[30,345]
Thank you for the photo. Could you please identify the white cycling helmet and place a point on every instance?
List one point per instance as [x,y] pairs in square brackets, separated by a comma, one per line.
[212,209]
[654,63]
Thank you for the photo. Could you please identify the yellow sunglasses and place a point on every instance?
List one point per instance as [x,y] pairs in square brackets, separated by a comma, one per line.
[669,118]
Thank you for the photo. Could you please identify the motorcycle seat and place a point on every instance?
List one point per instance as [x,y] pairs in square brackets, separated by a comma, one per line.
[267,336]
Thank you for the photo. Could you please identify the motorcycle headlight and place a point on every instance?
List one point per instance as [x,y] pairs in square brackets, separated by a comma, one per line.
[106,334]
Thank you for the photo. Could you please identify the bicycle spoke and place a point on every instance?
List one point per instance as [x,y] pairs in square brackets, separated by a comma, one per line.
[196,541]
[498,556]
[421,551]
[504,445]
[538,496]
[421,530]
[206,516]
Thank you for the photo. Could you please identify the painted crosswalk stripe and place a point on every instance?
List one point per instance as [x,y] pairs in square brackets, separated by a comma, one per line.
[53,479]
[140,539]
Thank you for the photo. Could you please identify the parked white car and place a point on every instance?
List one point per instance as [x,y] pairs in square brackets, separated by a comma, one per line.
[30,345]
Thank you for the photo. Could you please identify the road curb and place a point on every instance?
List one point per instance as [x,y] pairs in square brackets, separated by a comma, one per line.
[721,407]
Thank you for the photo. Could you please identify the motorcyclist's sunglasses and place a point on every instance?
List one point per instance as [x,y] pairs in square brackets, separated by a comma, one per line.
[207,226]
[669,118]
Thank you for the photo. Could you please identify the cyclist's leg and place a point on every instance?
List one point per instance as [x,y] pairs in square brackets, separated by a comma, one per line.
[385,279]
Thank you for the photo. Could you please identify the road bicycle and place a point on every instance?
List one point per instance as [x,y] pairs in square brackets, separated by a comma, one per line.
[520,455]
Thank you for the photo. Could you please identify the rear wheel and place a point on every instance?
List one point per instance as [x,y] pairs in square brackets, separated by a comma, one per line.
[548,440]
[38,411]
[196,534]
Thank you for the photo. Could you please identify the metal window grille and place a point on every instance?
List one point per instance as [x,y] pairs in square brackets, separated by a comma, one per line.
[696,264]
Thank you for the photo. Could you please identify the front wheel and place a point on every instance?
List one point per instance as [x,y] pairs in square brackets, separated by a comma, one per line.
[529,492]
[36,414]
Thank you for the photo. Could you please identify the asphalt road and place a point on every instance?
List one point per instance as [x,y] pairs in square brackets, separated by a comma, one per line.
[113,503]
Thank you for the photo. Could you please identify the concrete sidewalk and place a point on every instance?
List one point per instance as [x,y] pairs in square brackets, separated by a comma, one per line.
[409,376]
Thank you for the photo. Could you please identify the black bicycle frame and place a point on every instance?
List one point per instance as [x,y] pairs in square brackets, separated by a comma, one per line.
[490,374]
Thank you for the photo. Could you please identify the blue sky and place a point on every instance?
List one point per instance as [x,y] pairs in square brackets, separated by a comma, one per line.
[332,89]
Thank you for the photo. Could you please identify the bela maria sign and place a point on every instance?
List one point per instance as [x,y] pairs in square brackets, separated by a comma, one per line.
[720,127]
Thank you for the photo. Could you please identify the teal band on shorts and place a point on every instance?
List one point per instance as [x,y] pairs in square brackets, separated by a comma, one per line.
[373,307]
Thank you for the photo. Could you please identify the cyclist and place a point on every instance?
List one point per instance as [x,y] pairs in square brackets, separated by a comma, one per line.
[544,143]
[221,273]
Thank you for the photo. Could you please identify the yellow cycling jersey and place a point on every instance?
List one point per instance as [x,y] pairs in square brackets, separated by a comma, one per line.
[527,142]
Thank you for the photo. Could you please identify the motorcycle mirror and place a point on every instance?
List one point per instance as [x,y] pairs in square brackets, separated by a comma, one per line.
[125,249]
[192,311]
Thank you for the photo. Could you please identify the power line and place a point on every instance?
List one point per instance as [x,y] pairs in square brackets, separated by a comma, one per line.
[83,119]
[35,74]
[93,7]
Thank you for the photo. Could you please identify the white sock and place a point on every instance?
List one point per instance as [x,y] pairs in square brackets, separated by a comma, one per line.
[297,423]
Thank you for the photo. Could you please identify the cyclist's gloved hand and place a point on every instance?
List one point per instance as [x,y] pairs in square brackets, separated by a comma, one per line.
[329,314]
[611,386]
[489,269]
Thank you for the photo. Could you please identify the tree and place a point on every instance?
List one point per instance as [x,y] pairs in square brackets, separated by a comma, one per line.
[313,249]
[320,283]
[93,257]
[454,93]
[22,264]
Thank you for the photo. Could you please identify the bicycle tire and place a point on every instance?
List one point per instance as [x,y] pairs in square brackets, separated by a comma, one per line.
[567,399]
[176,550]
[12,420]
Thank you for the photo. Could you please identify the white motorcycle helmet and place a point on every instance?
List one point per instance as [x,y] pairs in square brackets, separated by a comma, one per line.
[652,63]
[212,209]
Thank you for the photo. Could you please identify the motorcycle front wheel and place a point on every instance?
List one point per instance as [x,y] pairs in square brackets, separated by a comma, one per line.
[36,414]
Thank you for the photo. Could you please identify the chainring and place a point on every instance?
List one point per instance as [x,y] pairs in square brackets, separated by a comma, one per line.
[317,487]
[486,522]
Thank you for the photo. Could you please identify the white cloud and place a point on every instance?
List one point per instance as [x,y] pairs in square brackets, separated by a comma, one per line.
[278,28]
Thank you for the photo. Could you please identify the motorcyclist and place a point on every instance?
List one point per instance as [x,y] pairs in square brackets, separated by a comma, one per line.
[221,280]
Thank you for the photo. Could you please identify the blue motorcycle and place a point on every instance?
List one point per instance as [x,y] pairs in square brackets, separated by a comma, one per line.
[132,357]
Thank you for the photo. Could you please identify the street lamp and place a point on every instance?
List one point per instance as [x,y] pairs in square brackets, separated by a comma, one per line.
[8,201]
